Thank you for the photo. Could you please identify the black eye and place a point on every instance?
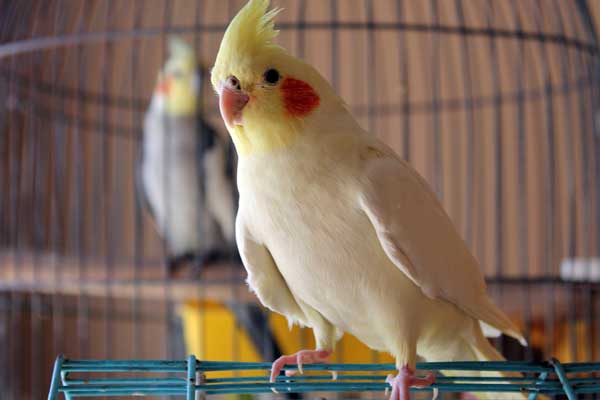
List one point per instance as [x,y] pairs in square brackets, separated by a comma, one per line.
[272,76]
[233,83]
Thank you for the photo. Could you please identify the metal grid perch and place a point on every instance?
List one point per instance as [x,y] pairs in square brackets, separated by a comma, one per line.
[548,378]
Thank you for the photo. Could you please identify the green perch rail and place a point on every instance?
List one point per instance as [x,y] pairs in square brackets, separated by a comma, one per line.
[185,378]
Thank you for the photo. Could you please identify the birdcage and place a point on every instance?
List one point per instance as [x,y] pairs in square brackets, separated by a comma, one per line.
[494,102]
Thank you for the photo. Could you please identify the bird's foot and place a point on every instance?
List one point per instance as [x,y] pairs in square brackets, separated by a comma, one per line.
[300,358]
[406,379]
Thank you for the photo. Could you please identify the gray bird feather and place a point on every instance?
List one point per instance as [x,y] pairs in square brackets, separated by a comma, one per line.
[184,184]
[185,179]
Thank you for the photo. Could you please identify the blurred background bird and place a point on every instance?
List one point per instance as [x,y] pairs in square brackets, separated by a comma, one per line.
[186,170]
[186,177]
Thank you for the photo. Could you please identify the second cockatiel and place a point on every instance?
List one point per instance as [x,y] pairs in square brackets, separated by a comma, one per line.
[335,230]
[184,179]
[183,167]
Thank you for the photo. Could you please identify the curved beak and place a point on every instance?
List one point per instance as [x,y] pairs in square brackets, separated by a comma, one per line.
[231,104]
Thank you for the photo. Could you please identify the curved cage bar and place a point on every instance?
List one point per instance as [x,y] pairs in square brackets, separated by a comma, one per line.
[494,102]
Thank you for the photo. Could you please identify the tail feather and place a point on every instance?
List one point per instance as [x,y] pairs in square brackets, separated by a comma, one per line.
[484,351]
[487,312]
[489,331]
[479,349]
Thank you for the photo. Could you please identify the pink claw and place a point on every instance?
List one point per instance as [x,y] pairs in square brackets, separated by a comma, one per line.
[299,358]
[406,379]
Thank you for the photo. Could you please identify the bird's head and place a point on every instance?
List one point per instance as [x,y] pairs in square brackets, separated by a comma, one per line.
[178,85]
[266,95]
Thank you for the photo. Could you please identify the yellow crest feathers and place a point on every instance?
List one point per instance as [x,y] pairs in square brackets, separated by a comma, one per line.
[250,32]
[181,54]
[179,47]
[252,28]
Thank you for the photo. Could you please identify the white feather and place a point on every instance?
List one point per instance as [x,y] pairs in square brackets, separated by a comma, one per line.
[315,208]
[169,175]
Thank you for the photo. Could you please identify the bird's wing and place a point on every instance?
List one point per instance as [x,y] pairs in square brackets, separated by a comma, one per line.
[140,190]
[421,240]
[221,194]
[264,277]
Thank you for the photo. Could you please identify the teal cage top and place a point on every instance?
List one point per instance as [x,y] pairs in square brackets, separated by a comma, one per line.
[74,378]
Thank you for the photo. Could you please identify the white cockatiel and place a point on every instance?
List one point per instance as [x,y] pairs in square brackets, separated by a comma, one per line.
[337,232]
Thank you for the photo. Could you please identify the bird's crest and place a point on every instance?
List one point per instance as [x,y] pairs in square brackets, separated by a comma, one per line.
[181,52]
[250,32]
[179,47]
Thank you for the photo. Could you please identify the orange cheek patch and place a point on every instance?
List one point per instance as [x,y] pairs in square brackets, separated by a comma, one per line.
[164,86]
[299,98]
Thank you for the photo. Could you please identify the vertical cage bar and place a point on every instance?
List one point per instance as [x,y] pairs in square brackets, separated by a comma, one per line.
[191,378]
[522,181]
[405,81]
[436,110]
[5,337]
[14,342]
[106,185]
[335,82]
[587,153]
[81,172]
[469,123]
[335,53]
[36,345]
[568,139]
[58,219]
[301,37]
[498,143]
[55,382]
[301,49]
[592,64]
[138,221]
[245,308]
[550,176]
[372,87]
[167,22]
[201,16]
[498,217]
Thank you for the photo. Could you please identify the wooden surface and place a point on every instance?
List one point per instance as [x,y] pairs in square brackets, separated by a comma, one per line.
[51,274]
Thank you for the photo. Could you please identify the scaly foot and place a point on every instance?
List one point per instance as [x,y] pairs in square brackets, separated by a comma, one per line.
[299,358]
[406,379]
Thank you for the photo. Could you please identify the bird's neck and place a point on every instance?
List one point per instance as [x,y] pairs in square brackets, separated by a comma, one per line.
[267,138]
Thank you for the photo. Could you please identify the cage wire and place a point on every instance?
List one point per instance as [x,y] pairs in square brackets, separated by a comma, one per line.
[494,102]
[193,378]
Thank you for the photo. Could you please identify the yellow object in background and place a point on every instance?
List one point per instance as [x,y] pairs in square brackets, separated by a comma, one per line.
[580,348]
[210,333]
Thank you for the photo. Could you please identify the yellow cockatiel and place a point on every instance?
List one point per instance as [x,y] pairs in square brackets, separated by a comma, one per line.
[336,232]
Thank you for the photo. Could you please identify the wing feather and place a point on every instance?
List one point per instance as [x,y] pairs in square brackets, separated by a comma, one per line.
[421,240]
[264,277]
